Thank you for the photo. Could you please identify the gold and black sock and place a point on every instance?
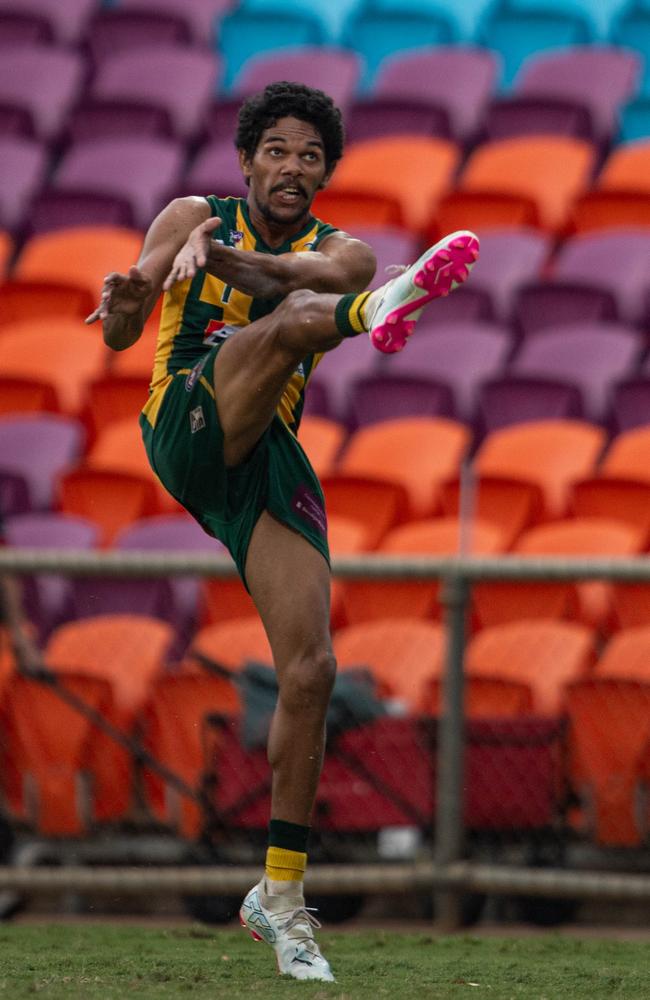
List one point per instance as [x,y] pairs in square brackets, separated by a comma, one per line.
[348,314]
[286,857]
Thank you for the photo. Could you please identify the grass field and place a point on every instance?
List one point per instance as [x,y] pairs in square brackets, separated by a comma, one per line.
[118,962]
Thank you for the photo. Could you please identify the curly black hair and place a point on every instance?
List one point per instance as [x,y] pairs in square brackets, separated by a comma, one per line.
[283,100]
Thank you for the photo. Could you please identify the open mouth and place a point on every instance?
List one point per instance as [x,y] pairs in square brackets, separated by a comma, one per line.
[289,195]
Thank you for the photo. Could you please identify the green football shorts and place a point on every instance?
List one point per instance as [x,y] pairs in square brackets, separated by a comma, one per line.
[185,449]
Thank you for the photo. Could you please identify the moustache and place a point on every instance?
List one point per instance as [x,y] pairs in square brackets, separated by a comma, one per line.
[283,187]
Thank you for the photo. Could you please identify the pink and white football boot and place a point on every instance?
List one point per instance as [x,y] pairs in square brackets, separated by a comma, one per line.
[392,310]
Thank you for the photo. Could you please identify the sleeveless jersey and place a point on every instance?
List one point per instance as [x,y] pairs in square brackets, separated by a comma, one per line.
[200,311]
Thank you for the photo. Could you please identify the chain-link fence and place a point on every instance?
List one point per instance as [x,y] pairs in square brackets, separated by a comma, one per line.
[508,760]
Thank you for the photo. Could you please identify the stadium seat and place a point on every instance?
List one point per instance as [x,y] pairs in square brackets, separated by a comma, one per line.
[110,498]
[631,30]
[26,300]
[589,601]
[394,167]
[417,452]
[57,356]
[111,398]
[174,599]
[244,34]
[201,16]
[583,356]
[418,92]
[517,34]
[626,656]
[322,440]
[136,171]
[39,447]
[46,596]
[214,170]
[78,257]
[392,247]
[119,448]
[127,650]
[334,377]
[118,29]
[171,730]
[609,726]
[634,122]
[67,22]
[43,82]
[459,357]
[179,79]
[376,504]
[524,473]
[23,28]
[6,251]
[484,698]
[25,163]
[524,181]
[233,642]
[574,91]
[620,195]
[594,277]
[402,654]
[542,654]
[50,751]
[366,600]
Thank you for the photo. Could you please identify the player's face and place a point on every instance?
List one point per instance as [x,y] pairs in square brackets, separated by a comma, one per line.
[286,171]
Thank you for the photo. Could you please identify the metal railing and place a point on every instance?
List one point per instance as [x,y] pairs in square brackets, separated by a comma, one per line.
[448,873]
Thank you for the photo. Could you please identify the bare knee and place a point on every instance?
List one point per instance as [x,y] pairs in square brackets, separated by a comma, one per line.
[306,684]
[297,315]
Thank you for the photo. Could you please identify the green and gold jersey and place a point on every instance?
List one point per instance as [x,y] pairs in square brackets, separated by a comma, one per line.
[199,311]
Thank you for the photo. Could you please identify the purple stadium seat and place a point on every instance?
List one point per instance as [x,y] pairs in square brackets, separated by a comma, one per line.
[180,79]
[578,91]
[462,356]
[598,276]
[66,19]
[14,493]
[115,29]
[173,598]
[516,399]
[201,16]
[336,71]
[391,246]
[139,171]
[95,119]
[46,597]
[42,81]
[215,170]
[589,357]
[388,396]
[440,91]
[39,447]
[630,403]
[337,371]
[23,28]
[23,167]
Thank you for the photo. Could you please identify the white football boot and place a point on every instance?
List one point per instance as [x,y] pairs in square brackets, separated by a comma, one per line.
[287,925]
[393,309]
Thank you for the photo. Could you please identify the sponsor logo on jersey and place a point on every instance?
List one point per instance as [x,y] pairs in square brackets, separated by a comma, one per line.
[236,236]
[197,419]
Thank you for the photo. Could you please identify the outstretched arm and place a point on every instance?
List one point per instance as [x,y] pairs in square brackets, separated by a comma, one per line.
[342,264]
[127,299]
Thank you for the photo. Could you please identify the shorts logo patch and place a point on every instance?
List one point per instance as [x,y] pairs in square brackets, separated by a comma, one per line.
[308,506]
[197,419]
[195,374]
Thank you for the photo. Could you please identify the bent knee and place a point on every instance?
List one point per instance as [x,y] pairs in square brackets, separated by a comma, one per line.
[296,308]
[307,682]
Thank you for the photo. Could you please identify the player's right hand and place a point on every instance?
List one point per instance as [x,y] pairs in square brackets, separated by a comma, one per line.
[122,293]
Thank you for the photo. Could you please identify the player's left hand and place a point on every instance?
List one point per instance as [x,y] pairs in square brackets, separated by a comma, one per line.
[193,255]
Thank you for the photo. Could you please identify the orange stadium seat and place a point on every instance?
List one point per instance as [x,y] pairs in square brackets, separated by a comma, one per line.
[53,770]
[528,180]
[484,698]
[620,195]
[370,600]
[589,601]
[373,503]
[6,251]
[25,300]
[79,257]
[524,473]
[609,727]
[56,356]
[402,654]
[418,452]
[111,398]
[322,439]
[233,642]
[626,656]
[111,499]
[171,728]
[137,361]
[396,166]
[126,650]
[354,210]
[543,655]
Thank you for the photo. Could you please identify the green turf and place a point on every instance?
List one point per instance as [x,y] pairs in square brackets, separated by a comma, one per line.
[200,963]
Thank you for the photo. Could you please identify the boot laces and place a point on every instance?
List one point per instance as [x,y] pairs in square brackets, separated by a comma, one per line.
[299,926]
